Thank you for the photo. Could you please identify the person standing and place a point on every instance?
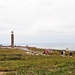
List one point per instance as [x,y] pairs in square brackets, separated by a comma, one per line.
[71,53]
[44,52]
[61,53]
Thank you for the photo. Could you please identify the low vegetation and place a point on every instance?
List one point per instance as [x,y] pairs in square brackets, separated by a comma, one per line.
[17,62]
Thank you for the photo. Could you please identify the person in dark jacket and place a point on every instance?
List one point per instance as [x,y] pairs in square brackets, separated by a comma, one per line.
[44,52]
[71,53]
[61,53]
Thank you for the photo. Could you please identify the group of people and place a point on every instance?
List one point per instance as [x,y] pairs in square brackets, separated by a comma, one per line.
[63,53]
[47,51]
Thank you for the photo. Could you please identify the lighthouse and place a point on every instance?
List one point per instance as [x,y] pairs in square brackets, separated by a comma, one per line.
[12,39]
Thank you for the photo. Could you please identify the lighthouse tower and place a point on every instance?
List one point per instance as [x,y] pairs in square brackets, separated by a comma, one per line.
[12,39]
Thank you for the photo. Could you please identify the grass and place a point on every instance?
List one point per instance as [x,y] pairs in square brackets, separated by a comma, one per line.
[17,62]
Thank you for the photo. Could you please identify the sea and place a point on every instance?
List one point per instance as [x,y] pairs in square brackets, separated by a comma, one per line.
[59,46]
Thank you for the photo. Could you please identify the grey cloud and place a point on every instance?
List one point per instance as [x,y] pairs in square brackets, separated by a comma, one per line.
[45,17]
[15,23]
[2,28]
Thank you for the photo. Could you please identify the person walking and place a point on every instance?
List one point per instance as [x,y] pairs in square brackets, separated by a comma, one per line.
[44,52]
[62,53]
[71,53]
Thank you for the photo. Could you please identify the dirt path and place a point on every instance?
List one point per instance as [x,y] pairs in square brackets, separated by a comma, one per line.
[1,73]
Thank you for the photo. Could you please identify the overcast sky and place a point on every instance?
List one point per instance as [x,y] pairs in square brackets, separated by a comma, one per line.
[37,21]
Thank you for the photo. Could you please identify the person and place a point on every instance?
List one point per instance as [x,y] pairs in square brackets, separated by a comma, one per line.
[64,53]
[71,53]
[34,53]
[44,52]
[61,53]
